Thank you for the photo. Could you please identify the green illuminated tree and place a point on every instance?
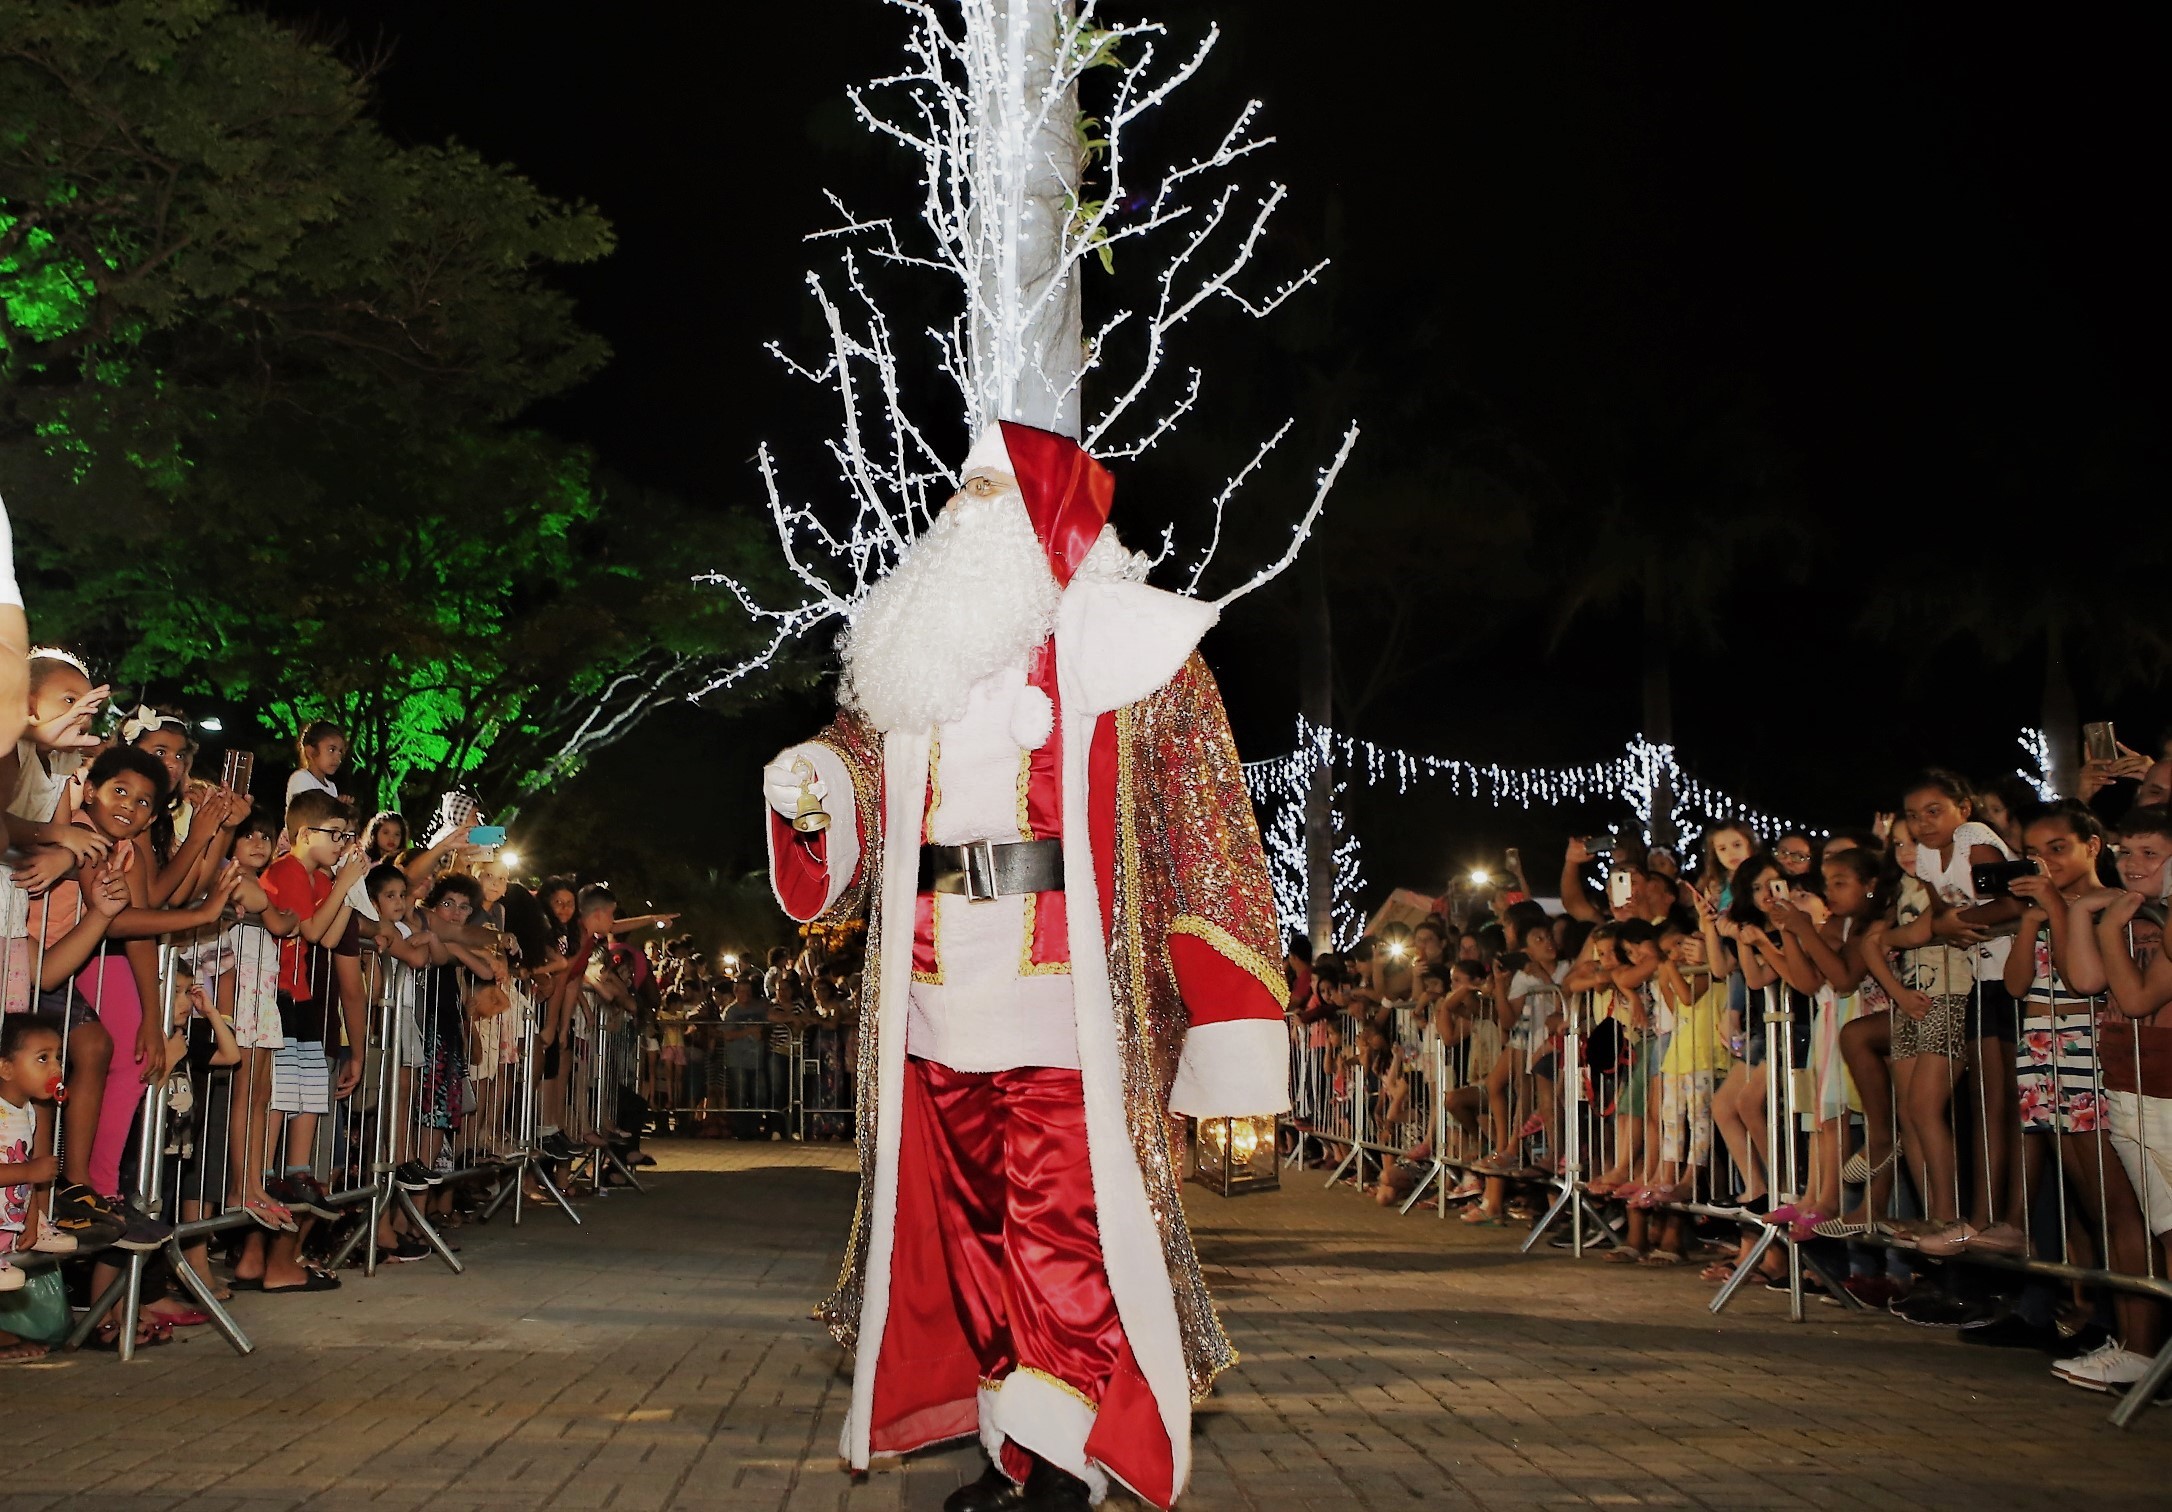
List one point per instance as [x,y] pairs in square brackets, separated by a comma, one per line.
[260,374]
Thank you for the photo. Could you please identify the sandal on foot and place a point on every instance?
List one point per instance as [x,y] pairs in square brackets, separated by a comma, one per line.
[148,1333]
[1623,1256]
[1662,1257]
[319,1281]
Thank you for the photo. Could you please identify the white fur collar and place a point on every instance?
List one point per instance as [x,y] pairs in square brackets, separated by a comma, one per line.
[1121,641]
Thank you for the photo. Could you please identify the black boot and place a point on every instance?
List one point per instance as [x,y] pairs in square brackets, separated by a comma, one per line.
[1048,1489]
[993,1492]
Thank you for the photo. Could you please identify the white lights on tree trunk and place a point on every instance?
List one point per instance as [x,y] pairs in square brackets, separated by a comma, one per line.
[1023,198]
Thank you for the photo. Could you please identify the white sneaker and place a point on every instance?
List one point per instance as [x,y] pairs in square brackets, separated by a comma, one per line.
[11,1279]
[2108,1367]
[51,1241]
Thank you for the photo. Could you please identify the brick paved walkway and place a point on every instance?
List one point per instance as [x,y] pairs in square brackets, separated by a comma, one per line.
[659,1357]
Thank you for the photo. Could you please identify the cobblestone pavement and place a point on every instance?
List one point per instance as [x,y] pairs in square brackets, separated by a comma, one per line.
[659,1357]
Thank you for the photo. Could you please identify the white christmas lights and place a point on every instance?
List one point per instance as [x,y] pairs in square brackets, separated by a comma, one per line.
[2037,774]
[1279,785]
[988,102]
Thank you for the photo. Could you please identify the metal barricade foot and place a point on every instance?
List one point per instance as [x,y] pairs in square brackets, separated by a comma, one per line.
[2144,1391]
[430,1235]
[550,1188]
[221,1319]
[1746,1269]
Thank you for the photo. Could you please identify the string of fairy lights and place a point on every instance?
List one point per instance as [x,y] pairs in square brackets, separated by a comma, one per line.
[1635,778]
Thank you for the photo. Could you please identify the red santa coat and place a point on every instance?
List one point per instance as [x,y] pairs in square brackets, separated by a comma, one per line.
[1177,994]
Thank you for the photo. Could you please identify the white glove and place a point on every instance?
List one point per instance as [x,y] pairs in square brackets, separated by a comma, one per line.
[787,779]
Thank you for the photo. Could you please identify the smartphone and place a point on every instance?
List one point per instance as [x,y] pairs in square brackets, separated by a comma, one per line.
[487,834]
[240,767]
[1620,886]
[1995,879]
[1776,889]
[2098,742]
[1515,859]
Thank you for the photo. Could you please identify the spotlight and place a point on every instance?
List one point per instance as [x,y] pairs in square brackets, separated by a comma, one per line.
[1480,877]
[210,724]
[510,859]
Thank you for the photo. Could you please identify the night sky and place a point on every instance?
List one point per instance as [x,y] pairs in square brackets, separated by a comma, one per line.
[1903,253]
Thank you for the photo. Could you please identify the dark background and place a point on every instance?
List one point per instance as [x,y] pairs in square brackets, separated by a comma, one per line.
[1901,259]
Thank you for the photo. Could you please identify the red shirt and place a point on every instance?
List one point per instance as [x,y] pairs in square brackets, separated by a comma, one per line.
[295,889]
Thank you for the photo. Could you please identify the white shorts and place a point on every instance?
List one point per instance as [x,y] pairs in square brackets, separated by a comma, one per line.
[301,1078]
[2141,1130]
[256,1020]
[410,1037]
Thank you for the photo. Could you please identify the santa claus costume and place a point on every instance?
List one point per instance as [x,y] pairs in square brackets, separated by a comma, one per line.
[1033,794]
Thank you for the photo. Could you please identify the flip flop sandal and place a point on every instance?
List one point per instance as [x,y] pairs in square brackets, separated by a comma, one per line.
[193,1318]
[148,1334]
[1662,1257]
[23,1352]
[319,1281]
[1623,1256]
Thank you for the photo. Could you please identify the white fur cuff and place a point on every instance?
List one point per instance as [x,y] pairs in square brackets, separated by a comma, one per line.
[1032,718]
[1234,1069]
[843,835]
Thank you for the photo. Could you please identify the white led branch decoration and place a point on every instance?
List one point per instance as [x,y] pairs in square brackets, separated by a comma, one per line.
[1025,202]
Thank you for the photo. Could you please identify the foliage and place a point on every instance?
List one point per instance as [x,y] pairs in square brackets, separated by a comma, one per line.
[260,368]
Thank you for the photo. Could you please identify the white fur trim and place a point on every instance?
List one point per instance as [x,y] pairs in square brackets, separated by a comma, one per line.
[991,1436]
[1032,717]
[1130,1241]
[1234,1069]
[1039,1415]
[1119,642]
[988,451]
[842,838]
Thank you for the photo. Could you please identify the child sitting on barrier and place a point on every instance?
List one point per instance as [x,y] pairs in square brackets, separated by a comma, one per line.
[30,1051]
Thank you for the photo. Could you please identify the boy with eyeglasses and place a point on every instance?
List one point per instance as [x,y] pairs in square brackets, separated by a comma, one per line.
[313,882]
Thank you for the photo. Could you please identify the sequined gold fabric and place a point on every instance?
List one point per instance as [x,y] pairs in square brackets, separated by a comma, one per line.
[1187,848]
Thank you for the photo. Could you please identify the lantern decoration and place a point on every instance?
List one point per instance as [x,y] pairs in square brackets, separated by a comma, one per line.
[1236,1156]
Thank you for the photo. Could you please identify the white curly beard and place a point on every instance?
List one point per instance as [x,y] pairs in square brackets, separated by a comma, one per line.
[968,600]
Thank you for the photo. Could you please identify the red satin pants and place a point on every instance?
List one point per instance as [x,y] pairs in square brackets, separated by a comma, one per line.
[997,1270]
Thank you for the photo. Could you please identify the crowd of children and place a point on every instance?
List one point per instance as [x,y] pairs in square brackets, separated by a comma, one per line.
[1946,1035]
[324,1003]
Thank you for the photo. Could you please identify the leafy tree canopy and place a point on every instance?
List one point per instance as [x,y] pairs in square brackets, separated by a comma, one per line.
[260,374]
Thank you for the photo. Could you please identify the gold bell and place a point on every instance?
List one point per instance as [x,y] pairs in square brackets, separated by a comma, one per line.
[808,817]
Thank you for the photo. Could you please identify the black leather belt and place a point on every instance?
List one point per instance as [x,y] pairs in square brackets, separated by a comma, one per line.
[985,870]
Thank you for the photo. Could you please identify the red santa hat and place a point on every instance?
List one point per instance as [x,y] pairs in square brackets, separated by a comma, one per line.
[1067,493]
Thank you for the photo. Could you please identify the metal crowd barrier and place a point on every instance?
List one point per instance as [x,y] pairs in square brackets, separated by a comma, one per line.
[1795,1127]
[803,1093]
[441,1099]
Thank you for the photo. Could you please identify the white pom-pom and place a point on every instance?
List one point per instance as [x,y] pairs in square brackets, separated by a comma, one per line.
[1032,718]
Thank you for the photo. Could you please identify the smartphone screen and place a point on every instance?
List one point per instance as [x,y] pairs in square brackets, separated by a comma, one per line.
[1620,883]
[1777,888]
[2098,741]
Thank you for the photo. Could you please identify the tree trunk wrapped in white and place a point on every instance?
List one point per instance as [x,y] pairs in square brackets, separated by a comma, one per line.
[989,104]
